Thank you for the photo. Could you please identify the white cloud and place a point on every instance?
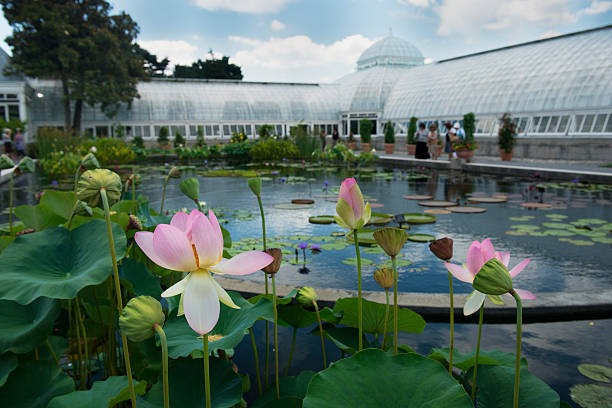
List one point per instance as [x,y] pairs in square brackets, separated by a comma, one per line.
[549,34]
[428,61]
[244,6]
[298,58]
[277,25]
[417,3]
[597,7]
[179,52]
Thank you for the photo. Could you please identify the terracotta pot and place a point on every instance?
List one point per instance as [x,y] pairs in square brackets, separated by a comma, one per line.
[466,154]
[411,149]
[366,147]
[351,145]
[389,148]
[506,156]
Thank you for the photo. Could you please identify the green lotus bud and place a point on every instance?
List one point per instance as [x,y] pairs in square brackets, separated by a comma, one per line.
[26,165]
[139,317]
[493,278]
[273,267]
[384,277]
[6,162]
[83,209]
[90,183]
[191,188]
[391,240]
[90,162]
[305,296]
[255,185]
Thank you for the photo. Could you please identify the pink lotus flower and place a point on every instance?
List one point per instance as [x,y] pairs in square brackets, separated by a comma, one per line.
[352,213]
[478,255]
[193,243]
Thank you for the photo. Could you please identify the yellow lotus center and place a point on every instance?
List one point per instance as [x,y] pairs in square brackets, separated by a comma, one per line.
[195,253]
[215,337]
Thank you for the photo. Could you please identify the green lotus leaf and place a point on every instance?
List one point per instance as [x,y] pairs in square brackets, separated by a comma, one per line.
[59,202]
[559,225]
[353,261]
[345,338]
[142,281]
[602,240]
[592,395]
[25,327]
[8,363]
[103,394]
[589,221]
[418,218]
[421,237]
[596,372]
[520,233]
[398,262]
[557,233]
[365,237]
[380,219]
[5,241]
[556,216]
[57,263]
[496,388]
[186,383]
[33,384]
[38,217]
[182,340]
[371,377]
[526,227]
[544,233]
[465,361]
[374,317]
[292,392]
[295,316]
[322,219]
[521,218]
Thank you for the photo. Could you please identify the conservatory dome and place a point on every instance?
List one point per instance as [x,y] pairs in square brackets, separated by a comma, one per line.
[390,51]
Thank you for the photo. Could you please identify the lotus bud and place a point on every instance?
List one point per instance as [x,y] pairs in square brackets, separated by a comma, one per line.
[352,214]
[174,172]
[26,165]
[493,278]
[92,181]
[255,185]
[90,162]
[191,188]
[83,209]
[384,277]
[306,295]
[391,240]
[134,223]
[273,267]
[442,248]
[139,317]
[6,162]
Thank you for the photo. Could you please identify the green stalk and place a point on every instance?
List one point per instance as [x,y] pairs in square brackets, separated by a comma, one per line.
[133,194]
[480,317]
[314,302]
[452,324]
[52,352]
[256,358]
[519,329]
[359,302]
[119,301]
[267,354]
[395,306]
[291,352]
[197,202]
[386,319]
[164,346]
[161,207]
[206,371]
[71,330]
[275,335]
[84,333]
[80,352]
[11,204]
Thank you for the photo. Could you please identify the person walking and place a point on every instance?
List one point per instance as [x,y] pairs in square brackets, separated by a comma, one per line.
[460,132]
[335,137]
[421,136]
[323,137]
[19,144]
[448,145]
[432,141]
[8,143]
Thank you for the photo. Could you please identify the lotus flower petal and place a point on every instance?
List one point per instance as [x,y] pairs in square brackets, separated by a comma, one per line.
[243,264]
[217,229]
[223,295]
[503,257]
[519,267]
[487,250]
[459,272]
[474,258]
[177,288]
[168,247]
[201,303]
[206,242]
[473,303]
[180,220]
[350,192]
[345,213]
[525,294]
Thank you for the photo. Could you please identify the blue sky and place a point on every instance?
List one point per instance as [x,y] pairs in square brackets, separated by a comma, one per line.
[320,40]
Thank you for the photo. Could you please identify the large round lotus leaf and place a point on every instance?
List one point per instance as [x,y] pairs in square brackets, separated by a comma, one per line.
[596,372]
[466,361]
[592,395]
[8,363]
[24,327]
[228,332]
[292,391]
[321,219]
[373,378]
[365,236]
[57,263]
[33,384]
[103,394]
[380,219]
[186,384]
[418,218]
[496,389]
[421,237]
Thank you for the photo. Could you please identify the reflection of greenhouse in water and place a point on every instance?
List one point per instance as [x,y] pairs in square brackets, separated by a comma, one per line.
[559,88]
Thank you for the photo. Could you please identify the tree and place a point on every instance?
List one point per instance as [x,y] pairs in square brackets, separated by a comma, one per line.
[81,44]
[209,69]
[152,66]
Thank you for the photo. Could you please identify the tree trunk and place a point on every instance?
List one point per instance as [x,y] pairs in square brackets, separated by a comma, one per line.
[78,110]
[66,101]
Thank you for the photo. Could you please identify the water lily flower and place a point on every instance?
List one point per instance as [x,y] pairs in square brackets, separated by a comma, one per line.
[352,213]
[194,243]
[303,245]
[478,255]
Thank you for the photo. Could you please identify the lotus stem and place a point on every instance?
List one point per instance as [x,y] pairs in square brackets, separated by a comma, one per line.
[395,306]
[77,173]
[164,346]
[133,194]
[480,318]
[256,359]
[452,324]
[519,329]
[359,301]
[206,371]
[52,352]
[386,319]
[79,365]
[84,333]
[291,352]
[11,203]
[119,301]
[265,246]
[314,302]
[275,335]
[161,207]
[36,353]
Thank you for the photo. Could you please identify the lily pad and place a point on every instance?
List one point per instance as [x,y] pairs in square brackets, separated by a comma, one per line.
[556,216]
[370,377]
[440,211]
[418,218]
[525,227]
[558,225]
[596,372]
[25,327]
[488,200]
[419,197]
[289,206]
[103,394]
[559,233]
[591,395]
[464,209]
[602,240]
[536,205]
[520,233]
[365,237]
[334,246]
[589,221]
[522,218]
[353,261]
[465,361]
[421,237]
[322,219]
[435,203]
[379,219]
[57,263]
[577,242]
[398,262]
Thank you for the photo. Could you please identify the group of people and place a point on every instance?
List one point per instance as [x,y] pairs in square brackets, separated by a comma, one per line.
[335,138]
[14,145]
[427,141]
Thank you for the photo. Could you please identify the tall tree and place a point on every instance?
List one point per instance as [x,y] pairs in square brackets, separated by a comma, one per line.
[209,69]
[81,44]
[152,66]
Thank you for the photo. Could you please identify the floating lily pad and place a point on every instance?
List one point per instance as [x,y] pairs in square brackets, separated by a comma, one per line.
[464,209]
[559,225]
[376,205]
[536,205]
[420,197]
[603,240]
[519,233]
[592,395]
[590,234]
[25,327]
[302,201]
[353,261]
[435,203]
[525,227]
[334,246]
[338,234]
[556,216]
[418,218]
[421,237]
[365,237]
[559,233]
[379,219]
[487,200]
[577,242]
[596,372]
[589,221]
[289,206]
[436,211]
[373,251]
[541,233]
[522,218]
[398,262]
[321,219]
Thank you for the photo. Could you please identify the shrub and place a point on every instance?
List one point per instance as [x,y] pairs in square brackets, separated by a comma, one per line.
[164,133]
[50,140]
[389,133]
[469,125]
[412,128]
[200,137]
[110,151]
[119,131]
[506,135]
[138,141]
[306,143]
[179,140]
[265,131]
[59,164]
[196,152]
[237,151]
[271,149]
[365,129]
[238,137]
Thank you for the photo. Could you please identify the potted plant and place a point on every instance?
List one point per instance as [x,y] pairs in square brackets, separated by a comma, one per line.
[465,145]
[410,142]
[351,141]
[365,129]
[506,137]
[163,138]
[389,138]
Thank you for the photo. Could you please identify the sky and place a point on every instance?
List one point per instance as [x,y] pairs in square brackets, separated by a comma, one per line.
[321,40]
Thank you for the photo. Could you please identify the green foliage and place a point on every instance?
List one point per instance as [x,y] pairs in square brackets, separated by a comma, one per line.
[305,142]
[209,69]
[119,131]
[238,137]
[109,151]
[196,152]
[200,137]
[50,140]
[152,67]
[374,317]
[138,141]
[365,130]
[103,394]
[412,128]
[179,140]
[237,151]
[265,131]
[163,138]
[272,149]
[469,125]
[389,133]
[340,153]
[59,164]
[506,135]
[24,327]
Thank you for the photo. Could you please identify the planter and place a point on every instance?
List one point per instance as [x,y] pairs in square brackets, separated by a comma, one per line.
[389,148]
[466,154]
[351,145]
[411,149]
[366,147]
[506,156]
